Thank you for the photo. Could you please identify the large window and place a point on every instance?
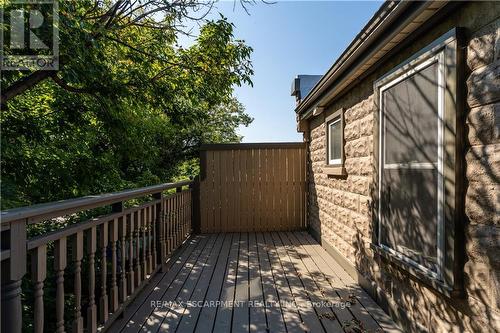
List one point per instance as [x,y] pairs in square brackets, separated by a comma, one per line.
[411,165]
[417,161]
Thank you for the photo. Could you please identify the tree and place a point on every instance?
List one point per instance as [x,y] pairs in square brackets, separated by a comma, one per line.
[87,25]
[128,105]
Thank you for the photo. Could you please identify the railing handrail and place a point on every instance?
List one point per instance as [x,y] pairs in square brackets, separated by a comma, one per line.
[58,208]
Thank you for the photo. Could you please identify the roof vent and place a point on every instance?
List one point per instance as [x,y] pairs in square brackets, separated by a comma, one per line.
[302,85]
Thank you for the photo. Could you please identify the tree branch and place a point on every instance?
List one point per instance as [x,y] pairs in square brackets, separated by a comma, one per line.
[153,56]
[24,84]
[63,84]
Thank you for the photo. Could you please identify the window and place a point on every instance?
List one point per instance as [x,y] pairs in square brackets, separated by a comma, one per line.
[411,165]
[417,162]
[335,144]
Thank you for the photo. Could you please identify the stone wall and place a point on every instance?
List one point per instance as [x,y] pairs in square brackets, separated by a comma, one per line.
[339,207]
[482,201]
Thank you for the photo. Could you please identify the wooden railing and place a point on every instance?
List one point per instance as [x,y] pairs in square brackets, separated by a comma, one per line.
[94,268]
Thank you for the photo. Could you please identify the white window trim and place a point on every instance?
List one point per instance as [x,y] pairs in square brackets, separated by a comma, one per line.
[334,161]
[439,58]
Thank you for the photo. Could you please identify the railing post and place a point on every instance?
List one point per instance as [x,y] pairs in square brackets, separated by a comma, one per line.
[195,206]
[13,270]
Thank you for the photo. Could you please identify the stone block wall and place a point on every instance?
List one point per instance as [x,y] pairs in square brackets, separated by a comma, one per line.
[339,207]
[343,199]
[482,201]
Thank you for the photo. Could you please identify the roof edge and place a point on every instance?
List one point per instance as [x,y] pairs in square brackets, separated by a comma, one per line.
[382,20]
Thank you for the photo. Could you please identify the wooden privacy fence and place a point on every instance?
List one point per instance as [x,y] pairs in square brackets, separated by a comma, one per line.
[252,187]
[91,269]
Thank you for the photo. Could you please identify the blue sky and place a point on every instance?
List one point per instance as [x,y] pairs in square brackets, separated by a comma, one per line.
[290,38]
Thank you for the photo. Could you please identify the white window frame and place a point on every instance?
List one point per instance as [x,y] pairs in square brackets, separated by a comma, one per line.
[440,60]
[334,161]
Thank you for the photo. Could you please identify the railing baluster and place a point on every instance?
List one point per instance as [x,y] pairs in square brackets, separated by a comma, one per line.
[168,223]
[174,222]
[39,273]
[114,266]
[131,253]
[144,218]
[182,217]
[122,221]
[77,258]
[179,209]
[59,266]
[137,234]
[162,230]
[103,302]
[176,219]
[91,309]
[171,212]
[186,213]
[190,209]
[156,221]
[150,225]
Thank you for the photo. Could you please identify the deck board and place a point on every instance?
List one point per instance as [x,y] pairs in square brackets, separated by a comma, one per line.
[191,314]
[272,281]
[299,293]
[273,313]
[258,321]
[241,312]
[157,314]
[207,315]
[325,313]
[140,310]
[341,313]
[291,315]
[224,315]
[175,313]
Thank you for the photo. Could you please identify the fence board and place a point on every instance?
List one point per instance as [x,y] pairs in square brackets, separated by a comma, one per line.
[252,187]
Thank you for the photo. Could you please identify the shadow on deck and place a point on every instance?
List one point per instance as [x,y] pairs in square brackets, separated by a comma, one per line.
[253,282]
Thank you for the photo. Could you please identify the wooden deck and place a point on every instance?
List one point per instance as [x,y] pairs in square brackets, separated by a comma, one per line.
[257,282]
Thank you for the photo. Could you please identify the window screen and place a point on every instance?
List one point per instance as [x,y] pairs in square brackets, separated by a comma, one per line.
[334,142]
[409,173]
[411,119]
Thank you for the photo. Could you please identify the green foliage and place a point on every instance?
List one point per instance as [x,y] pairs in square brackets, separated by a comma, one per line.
[127,108]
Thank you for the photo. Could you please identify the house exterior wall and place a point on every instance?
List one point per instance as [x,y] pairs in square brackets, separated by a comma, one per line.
[339,208]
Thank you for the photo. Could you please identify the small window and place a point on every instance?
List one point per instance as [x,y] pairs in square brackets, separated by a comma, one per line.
[335,144]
